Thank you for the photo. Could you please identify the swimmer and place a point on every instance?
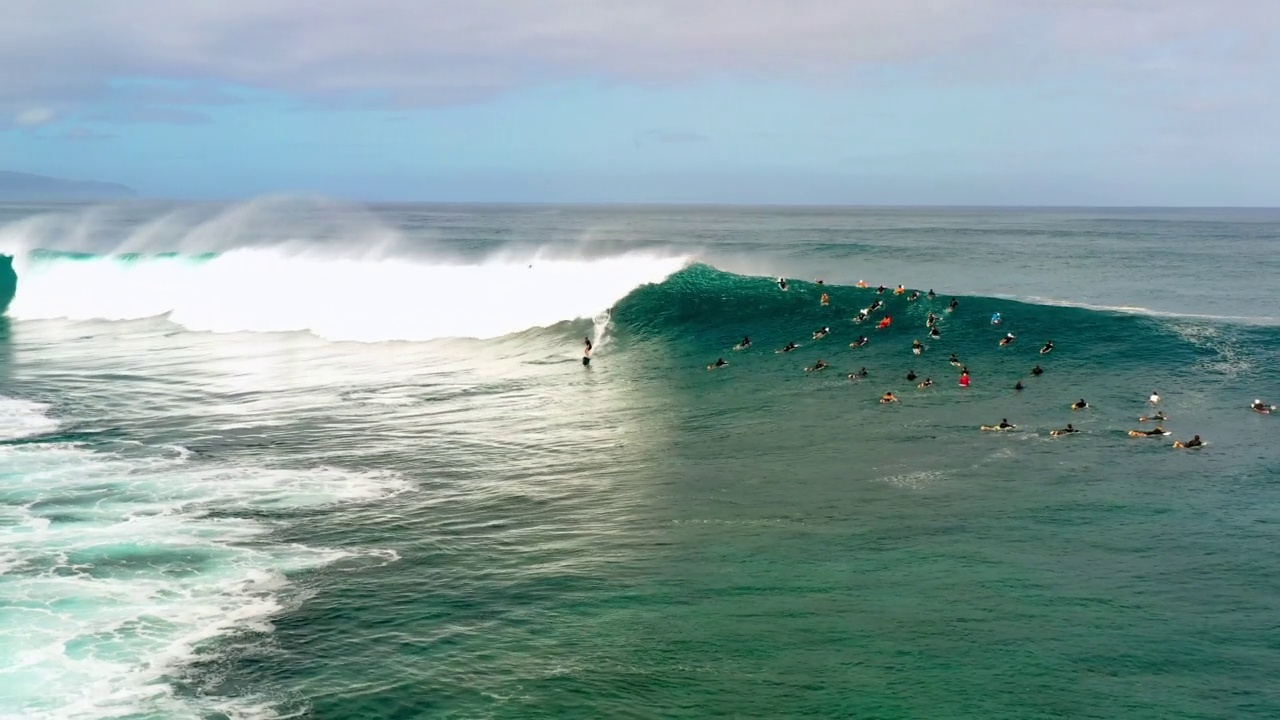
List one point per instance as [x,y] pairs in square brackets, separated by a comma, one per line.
[955,360]
[1064,431]
[819,334]
[825,300]
[880,290]
[719,363]
[1007,339]
[884,322]
[914,296]
[911,375]
[782,284]
[888,398]
[1048,348]
[859,342]
[933,332]
[952,305]
[1155,398]
[1259,407]
[820,365]
[1019,386]
[964,378]
[1158,417]
[916,347]
[1080,405]
[1155,432]
[1004,425]
[860,374]
[1194,442]
[900,289]
[930,294]
[746,343]
[1037,371]
[790,346]
[995,319]
[928,383]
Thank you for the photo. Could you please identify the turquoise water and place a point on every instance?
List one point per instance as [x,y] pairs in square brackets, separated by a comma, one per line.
[245,472]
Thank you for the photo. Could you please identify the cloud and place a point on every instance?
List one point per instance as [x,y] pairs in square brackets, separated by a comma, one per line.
[33,117]
[416,53]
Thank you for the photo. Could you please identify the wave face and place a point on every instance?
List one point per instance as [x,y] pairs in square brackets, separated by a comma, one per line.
[368,300]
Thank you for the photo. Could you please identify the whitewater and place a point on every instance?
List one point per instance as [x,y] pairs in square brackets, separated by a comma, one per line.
[300,458]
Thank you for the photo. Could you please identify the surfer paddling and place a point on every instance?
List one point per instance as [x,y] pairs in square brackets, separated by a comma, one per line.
[586,351]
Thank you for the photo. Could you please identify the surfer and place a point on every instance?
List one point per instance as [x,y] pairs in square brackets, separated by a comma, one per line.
[900,289]
[929,321]
[1037,371]
[995,319]
[933,332]
[782,284]
[719,363]
[917,347]
[1064,431]
[931,294]
[746,343]
[1048,348]
[790,346]
[1194,442]
[875,306]
[888,397]
[880,290]
[820,365]
[821,333]
[1004,425]
[1007,339]
[955,361]
[884,322]
[862,340]
[1019,386]
[914,296]
[1260,407]
[862,315]
[861,284]
[1155,398]
[825,300]
[964,378]
[1154,432]
[952,305]
[928,383]
[1157,418]
[911,375]
[586,351]
[860,374]
[1080,405]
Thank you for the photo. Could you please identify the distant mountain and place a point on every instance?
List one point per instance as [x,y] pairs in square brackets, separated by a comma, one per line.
[24,186]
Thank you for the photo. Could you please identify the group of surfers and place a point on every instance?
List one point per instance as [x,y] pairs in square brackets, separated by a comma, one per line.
[917,348]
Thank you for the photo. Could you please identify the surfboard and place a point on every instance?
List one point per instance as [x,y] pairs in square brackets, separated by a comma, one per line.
[1139,433]
[997,428]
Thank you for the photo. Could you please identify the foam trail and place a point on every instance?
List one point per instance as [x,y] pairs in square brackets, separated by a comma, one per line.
[269,290]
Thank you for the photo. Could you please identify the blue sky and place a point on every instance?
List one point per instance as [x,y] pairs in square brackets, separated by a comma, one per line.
[861,102]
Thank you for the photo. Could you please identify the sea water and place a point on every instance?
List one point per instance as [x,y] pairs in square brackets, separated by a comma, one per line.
[294,458]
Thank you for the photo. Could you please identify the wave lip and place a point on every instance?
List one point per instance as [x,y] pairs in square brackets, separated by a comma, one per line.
[341,299]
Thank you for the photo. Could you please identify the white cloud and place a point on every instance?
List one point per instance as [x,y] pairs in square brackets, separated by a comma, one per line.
[31,117]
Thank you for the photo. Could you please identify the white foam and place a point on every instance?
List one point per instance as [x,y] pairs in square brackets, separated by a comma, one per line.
[367,300]
[19,419]
[115,572]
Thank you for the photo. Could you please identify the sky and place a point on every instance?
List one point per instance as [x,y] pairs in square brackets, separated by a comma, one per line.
[932,102]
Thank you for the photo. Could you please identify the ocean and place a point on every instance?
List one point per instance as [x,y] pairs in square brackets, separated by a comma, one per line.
[295,458]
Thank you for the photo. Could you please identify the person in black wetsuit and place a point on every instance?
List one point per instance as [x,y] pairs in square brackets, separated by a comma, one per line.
[952,305]
[933,332]
[586,351]
[1048,347]
[1079,405]
[862,340]
[1037,371]
[790,346]
[1019,386]
[719,363]
[746,343]
[1065,431]
[930,294]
